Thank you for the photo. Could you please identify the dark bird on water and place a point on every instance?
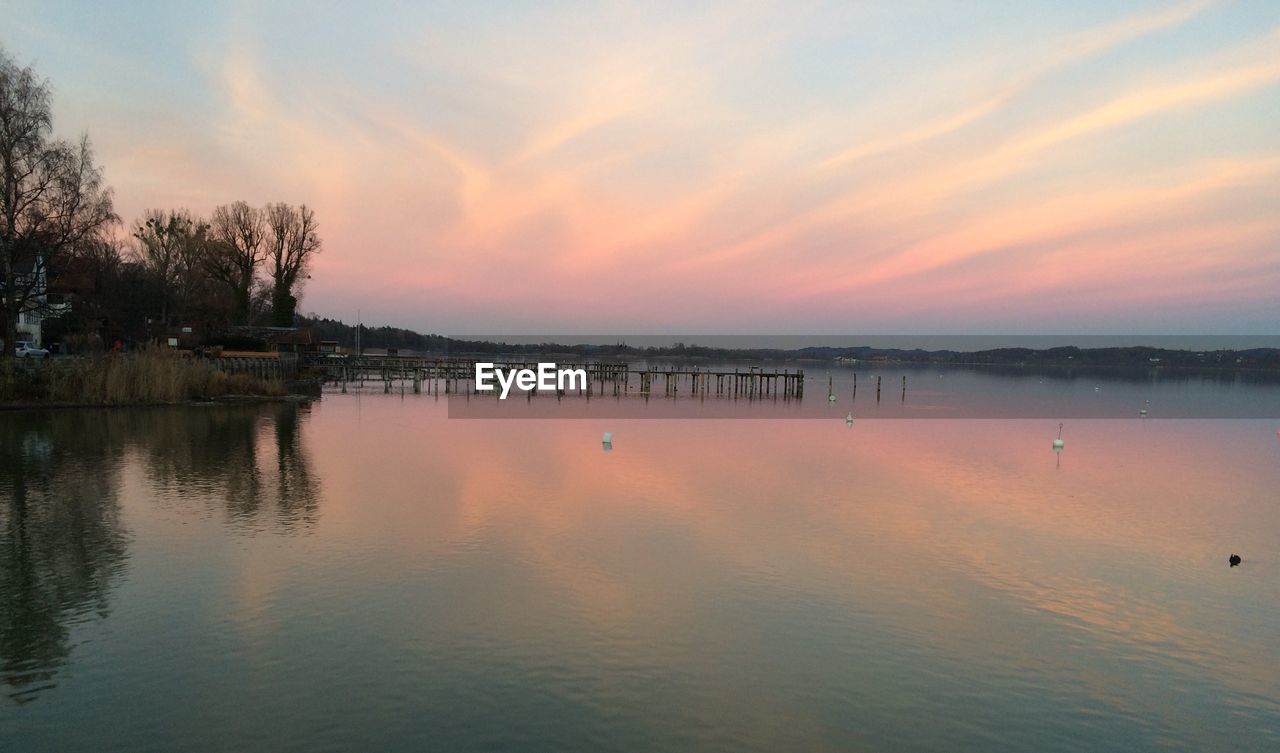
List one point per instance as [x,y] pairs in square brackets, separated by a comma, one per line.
[1235,560]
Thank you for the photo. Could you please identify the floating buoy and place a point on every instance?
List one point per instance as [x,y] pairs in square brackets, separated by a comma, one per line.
[1234,560]
[1058,443]
[849,418]
[831,398]
[608,440]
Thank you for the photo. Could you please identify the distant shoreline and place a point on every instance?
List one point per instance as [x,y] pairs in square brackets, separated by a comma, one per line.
[1254,359]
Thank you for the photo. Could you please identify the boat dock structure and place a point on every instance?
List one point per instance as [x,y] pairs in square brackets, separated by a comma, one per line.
[457,376]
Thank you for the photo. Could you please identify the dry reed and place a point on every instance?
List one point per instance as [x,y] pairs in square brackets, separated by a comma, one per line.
[150,377]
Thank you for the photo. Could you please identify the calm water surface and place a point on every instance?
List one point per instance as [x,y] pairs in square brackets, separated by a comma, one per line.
[368,574]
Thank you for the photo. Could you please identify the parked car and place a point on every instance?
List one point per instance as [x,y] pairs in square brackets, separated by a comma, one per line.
[27,349]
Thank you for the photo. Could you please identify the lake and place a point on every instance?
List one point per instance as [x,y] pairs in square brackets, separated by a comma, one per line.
[368,573]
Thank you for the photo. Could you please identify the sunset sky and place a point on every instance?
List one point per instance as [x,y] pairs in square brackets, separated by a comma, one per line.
[779,167]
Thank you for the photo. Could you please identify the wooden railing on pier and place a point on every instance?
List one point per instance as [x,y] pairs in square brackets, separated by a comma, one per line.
[281,366]
[457,375]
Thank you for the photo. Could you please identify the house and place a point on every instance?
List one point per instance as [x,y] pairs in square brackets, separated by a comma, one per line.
[39,306]
[29,326]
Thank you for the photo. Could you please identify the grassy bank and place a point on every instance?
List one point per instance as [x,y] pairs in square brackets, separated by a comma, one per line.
[148,378]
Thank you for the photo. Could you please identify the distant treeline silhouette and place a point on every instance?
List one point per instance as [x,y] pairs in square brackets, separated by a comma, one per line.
[408,341]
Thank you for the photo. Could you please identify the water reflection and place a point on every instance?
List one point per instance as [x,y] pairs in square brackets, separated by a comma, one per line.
[706,585]
[249,462]
[902,570]
[63,545]
[297,486]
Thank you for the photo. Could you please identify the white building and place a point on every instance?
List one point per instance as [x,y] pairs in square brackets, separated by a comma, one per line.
[38,308]
[29,326]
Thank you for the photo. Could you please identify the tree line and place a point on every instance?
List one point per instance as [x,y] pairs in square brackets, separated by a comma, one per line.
[239,263]
[242,264]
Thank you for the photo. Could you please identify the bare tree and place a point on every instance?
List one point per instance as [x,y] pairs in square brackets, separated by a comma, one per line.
[237,232]
[292,243]
[171,248]
[53,202]
[191,278]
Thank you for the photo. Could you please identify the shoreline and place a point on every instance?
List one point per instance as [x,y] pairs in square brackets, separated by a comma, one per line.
[214,401]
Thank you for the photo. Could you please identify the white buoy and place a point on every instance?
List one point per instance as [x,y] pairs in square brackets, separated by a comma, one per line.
[831,398]
[1058,443]
[608,440]
[849,418]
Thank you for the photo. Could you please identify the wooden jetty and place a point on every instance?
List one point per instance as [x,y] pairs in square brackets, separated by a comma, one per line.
[457,376]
